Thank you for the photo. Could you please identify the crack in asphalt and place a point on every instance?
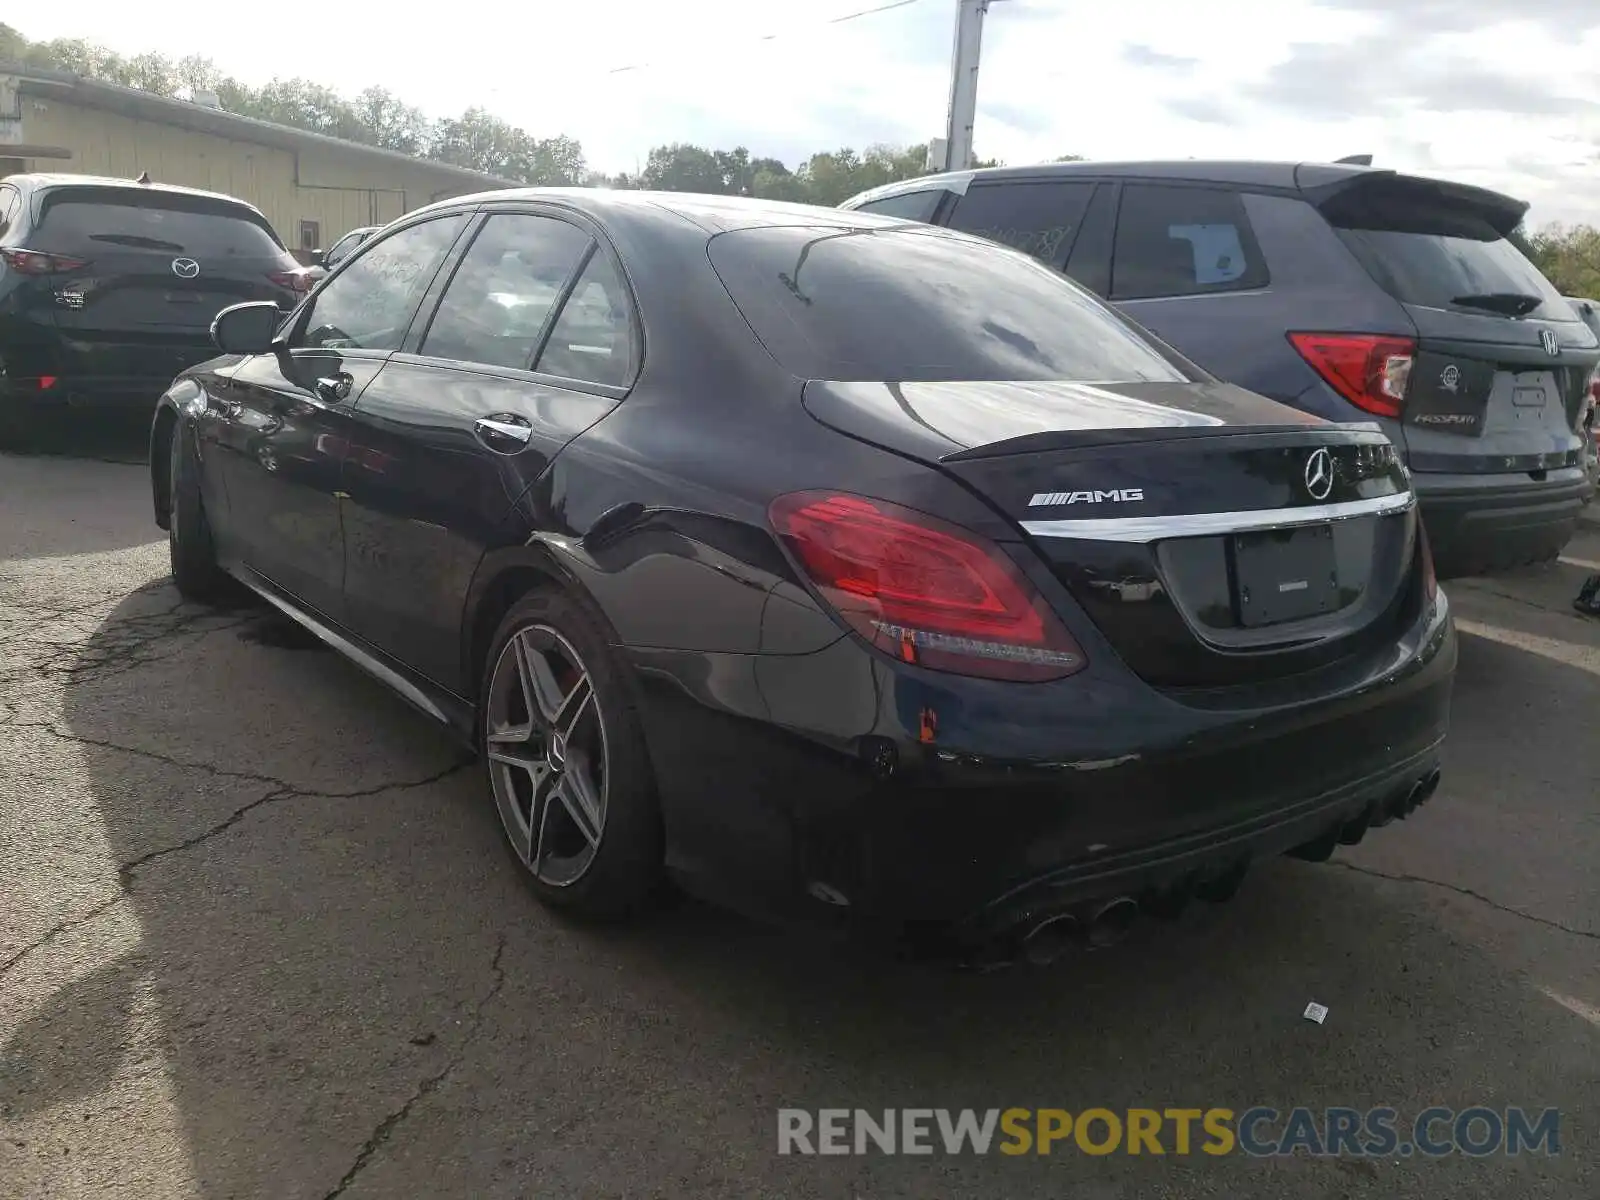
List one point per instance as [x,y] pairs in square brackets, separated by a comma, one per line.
[56,931]
[429,1084]
[1469,893]
[127,872]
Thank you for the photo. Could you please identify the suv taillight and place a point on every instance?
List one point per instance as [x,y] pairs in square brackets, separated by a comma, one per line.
[296,280]
[35,262]
[1370,370]
[922,590]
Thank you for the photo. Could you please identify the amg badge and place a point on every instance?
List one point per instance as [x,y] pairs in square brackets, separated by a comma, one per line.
[1114,496]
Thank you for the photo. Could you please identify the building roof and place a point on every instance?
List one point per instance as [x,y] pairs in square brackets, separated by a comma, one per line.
[200,118]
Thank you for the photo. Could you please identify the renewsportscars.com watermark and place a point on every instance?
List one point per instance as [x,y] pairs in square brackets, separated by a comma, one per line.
[1258,1132]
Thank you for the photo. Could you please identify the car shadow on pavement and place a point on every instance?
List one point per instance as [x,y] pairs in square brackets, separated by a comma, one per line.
[354,991]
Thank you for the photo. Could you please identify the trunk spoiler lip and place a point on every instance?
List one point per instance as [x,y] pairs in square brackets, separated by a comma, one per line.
[1160,528]
[1342,433]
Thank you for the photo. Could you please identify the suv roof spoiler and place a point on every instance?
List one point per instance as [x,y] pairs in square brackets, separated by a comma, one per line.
[1355,160]
[1342,192]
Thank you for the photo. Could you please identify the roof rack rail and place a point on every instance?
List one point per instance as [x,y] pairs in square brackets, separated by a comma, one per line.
[1356,160]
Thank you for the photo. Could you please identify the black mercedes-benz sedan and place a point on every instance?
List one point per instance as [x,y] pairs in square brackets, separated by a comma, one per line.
[834,566]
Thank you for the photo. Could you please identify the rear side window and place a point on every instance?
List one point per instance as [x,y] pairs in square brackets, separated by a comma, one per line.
[592,339]
[1443,256]
[1040,219]
[494,309]
[915,303]
[1183,241]
[202,229]
[913,206]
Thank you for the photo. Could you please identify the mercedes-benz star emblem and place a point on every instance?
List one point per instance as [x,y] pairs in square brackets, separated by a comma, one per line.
[1319,474]
[558,750]
[185,268]
[1548,341]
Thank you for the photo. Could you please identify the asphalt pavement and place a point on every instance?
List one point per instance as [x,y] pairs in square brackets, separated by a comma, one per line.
[258,938]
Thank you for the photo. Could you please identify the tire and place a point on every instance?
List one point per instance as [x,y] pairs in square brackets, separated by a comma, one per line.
[590,795]
[194,558]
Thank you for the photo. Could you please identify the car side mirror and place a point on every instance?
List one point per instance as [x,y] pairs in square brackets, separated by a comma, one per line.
[319,258]
[246,328]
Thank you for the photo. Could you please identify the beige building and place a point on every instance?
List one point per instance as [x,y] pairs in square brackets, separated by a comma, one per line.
[312,188]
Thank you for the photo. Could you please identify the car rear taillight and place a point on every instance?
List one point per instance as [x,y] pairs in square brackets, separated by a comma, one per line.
[922,590]
[1369,370]
[35,262]
[297,280]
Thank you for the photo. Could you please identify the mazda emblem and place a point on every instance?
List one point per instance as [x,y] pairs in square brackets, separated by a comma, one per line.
[1548,341]
[1319,474]
[185,268]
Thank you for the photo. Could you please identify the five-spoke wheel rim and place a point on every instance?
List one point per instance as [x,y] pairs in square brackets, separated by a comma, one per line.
[546,744]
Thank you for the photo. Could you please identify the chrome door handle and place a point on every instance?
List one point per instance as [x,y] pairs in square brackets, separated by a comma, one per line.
[502,428]
[334,388]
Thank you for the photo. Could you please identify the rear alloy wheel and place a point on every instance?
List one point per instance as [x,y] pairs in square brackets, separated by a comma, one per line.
[189,545]
[567,763]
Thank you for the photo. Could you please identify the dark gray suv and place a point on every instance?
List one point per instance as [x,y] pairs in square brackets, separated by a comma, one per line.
[1347,291]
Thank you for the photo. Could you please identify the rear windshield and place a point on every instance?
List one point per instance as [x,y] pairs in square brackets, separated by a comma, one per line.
[917,304]
[82,221]
[1440,258]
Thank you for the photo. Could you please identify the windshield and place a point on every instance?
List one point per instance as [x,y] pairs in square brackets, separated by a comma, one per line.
[917,304]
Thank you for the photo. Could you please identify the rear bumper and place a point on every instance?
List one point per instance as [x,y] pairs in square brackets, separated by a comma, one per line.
[1091,791]
[1482,524]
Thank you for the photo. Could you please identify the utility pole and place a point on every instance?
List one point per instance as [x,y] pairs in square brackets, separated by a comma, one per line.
[963,84]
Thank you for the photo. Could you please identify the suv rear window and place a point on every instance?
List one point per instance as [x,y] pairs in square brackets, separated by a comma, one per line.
[78,221]
[1436,255]
[918,304]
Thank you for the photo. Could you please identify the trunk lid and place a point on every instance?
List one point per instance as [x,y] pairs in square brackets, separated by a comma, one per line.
[156,269]
[1502,361]
[1213,537]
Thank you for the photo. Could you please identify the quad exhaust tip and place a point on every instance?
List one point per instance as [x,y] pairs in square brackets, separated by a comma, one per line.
[1061,933]
[1050,939]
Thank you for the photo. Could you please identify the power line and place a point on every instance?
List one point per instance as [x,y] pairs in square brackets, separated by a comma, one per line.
[770,37]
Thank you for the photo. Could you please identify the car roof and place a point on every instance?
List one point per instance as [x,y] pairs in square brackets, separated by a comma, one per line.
[54,182]
[710,214]
[1254,175]
[39,184]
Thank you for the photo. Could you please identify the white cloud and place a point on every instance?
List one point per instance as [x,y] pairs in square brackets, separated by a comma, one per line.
[1159,78]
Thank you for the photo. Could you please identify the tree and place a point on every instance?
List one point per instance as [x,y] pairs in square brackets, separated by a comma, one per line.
[681,167]
[390,122]
[477,139]
[1568,256]
[482,142]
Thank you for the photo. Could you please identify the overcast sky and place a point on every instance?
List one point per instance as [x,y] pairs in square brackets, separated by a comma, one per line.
[1504,93]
